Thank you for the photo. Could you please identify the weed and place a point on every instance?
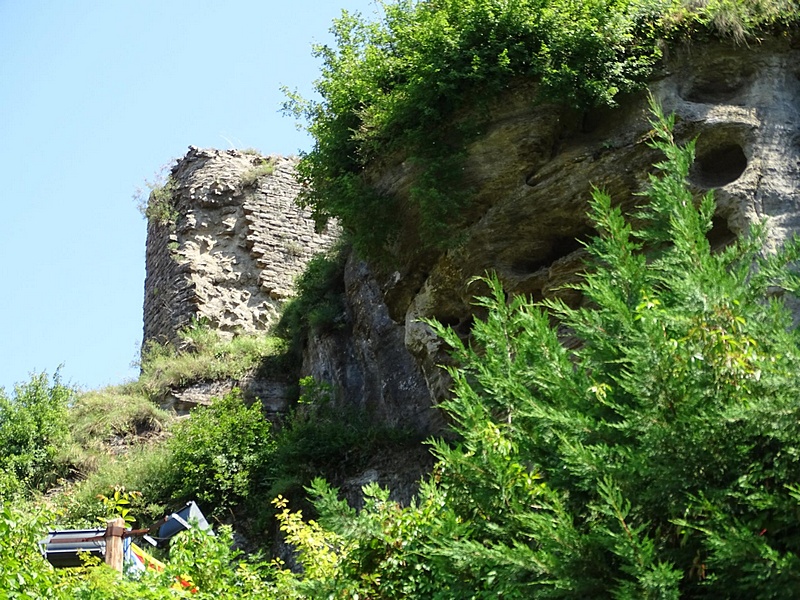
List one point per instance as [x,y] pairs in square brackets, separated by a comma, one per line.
[293,249]
[156,201]
[318,304]
[252,176]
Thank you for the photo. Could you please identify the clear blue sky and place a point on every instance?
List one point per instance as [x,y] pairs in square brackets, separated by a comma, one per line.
[94,97]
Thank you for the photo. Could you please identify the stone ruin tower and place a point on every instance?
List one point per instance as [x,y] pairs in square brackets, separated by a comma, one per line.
[233,252]
[230,258]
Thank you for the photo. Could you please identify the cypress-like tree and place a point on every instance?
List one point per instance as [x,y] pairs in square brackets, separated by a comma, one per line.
[660,458]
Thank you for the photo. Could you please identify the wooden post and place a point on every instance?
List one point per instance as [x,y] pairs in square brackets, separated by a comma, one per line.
[113,536]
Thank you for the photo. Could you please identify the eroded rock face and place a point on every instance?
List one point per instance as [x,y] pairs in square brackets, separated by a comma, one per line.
[534,167]
[367,362]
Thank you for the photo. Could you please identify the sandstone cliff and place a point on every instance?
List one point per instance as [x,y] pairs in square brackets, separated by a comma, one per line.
[534,166]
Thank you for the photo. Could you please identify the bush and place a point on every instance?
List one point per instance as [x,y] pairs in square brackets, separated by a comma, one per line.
[146,468]
[23,571]
[219,452]
[220,456]
[201,565]
[33,430]
[320,439]
[318,304]
[662,453]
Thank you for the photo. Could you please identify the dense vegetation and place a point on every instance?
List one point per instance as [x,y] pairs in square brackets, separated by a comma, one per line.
[398,86]
[31,433]
[658,458]
[113,452]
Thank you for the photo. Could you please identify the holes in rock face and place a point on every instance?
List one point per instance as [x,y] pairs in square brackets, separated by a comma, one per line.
[560,247]
[720,234]
[524,266]
[719,82]
[719,165]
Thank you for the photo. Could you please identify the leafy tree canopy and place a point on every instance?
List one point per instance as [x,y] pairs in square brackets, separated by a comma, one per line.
[32,432]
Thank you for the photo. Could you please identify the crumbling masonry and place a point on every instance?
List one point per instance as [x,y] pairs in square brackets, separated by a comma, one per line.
[238,244]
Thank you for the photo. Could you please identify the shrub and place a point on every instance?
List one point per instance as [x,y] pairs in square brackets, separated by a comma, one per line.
[23,571]
[318,304]
[146,468]
[201,565]
[219,452]
[321,439]
[33,430]
[652,449]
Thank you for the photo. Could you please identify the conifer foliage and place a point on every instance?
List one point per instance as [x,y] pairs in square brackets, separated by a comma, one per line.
[659,459]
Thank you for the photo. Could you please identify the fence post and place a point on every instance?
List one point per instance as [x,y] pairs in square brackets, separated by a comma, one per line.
[114,531]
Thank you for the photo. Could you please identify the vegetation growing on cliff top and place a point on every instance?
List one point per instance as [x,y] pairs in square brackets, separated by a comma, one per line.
[393,87]
[157,201]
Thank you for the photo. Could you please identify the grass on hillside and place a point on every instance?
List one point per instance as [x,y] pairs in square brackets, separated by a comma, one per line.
[207,356]
[108,422]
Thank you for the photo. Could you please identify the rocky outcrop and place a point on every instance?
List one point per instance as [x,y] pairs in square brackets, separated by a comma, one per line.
[367,362]
[534,167]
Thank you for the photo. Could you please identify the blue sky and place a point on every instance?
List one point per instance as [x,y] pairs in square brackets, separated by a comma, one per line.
[95,96]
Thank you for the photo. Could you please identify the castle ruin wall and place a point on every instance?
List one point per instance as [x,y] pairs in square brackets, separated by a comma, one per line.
[239,241]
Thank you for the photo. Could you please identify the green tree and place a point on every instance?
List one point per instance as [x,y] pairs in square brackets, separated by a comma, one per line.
[665,448]
[33,427]
[220,453]
[657,459]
